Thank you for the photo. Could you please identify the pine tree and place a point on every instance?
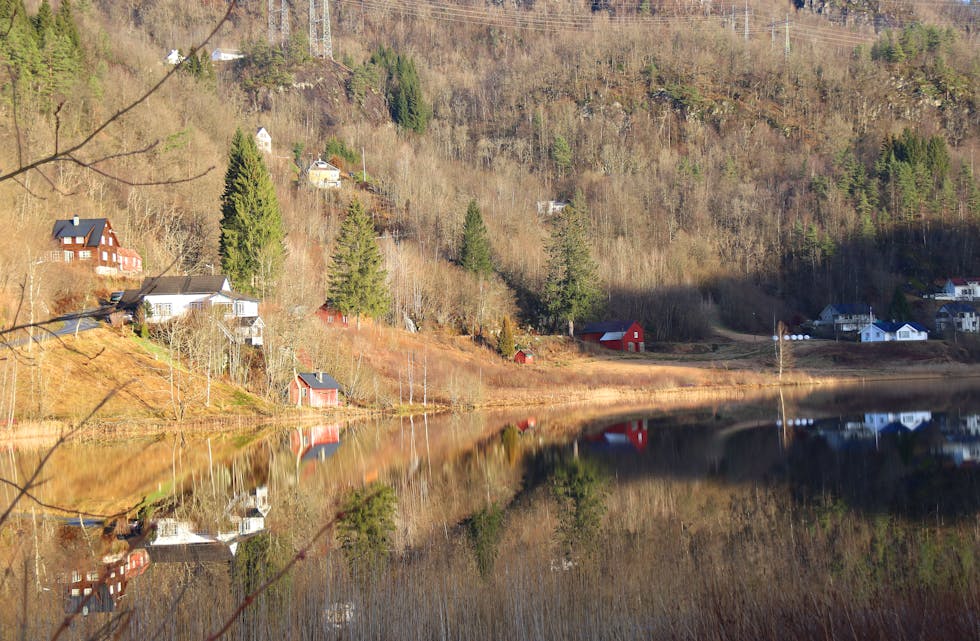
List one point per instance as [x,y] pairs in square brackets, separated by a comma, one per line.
[358,281]
[899,309]
[474,254]
[252,247]
[571,291]
[505,342]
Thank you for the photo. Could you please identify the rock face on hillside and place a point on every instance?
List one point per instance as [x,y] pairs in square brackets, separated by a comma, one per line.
[324,85]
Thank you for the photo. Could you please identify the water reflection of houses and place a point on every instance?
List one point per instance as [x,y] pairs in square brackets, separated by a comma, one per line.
[100,589]
[950,435]
[317,442]
[180,541]
[627,433]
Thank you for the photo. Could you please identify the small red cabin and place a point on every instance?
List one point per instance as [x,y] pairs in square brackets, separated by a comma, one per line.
[314,389]
[331,316]
[523,357]
[625,336]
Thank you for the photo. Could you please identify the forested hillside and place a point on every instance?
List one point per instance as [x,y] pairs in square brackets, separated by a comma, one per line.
[766,159]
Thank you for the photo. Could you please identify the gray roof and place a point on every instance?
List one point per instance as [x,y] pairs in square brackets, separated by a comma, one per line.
[183,284]
[318,380]
[216,552]
[68,229]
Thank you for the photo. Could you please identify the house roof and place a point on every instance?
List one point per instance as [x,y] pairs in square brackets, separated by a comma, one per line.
[892,327]
[958,308]
[320,451]
[318,380]
[612,336]
[608,326]
[185,285]
[966,280]
[68,229]
[851,308]
[322,164]
[212,552]
[125,251]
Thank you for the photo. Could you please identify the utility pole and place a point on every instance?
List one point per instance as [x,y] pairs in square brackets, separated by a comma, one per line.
[746,21]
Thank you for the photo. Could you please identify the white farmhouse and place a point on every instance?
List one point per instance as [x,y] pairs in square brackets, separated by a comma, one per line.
[225,55]
[263,140]
[881,331]
[166,298]
[961,289]
[961,317]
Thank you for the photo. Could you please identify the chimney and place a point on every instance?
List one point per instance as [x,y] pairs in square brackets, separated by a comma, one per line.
[319,376]
[74,220]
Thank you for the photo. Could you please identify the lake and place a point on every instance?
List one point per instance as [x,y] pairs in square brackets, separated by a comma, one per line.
[832,513]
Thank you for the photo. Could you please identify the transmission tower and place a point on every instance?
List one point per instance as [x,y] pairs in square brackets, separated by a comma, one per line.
[278,22]
[284,21]
[321,41]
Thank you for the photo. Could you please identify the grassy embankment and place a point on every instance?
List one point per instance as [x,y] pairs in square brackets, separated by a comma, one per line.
[59,382]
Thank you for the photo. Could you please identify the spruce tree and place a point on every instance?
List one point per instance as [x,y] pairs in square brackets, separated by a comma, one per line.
[252,247]
[474,254]
[571,290]
[358,281]
[505,342]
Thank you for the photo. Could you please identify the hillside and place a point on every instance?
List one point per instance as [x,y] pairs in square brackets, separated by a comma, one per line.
[712,166]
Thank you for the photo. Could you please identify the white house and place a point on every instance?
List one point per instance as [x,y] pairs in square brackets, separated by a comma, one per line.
[168,297]
[882,331]
[846,317]
[550,207]
[961,317]
[225,55]
[961,289]
[323,175]
[263,140]
[174,57]
[892,421]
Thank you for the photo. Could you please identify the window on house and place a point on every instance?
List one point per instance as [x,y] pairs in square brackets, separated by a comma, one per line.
[79,240]
[105,256]
[239,308]
[163,309]
[114,259]
[87,591]
[636,334]
[110,241]
[85,254]
[92,576]
[76,592]
[102,240]
[66,240]
[903,333]
[69,256]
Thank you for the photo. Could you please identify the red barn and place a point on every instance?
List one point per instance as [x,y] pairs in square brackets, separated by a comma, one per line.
[625,336]
[314,389]
[523,357]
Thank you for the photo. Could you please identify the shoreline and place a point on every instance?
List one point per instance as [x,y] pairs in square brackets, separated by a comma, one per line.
[508,401]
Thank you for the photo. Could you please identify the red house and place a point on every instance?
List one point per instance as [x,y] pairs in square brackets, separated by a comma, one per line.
[331,316]
[523,357]
[316,442]
[314,389]
[625,336]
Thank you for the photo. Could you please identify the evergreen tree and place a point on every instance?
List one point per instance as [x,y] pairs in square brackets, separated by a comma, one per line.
[899,309]
[474,254]
[358,280]
[365,530]
[505,342]
[252,247]
[571,291]
[561,153]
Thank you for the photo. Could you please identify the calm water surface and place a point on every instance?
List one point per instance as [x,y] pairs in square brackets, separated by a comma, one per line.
[909,454]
